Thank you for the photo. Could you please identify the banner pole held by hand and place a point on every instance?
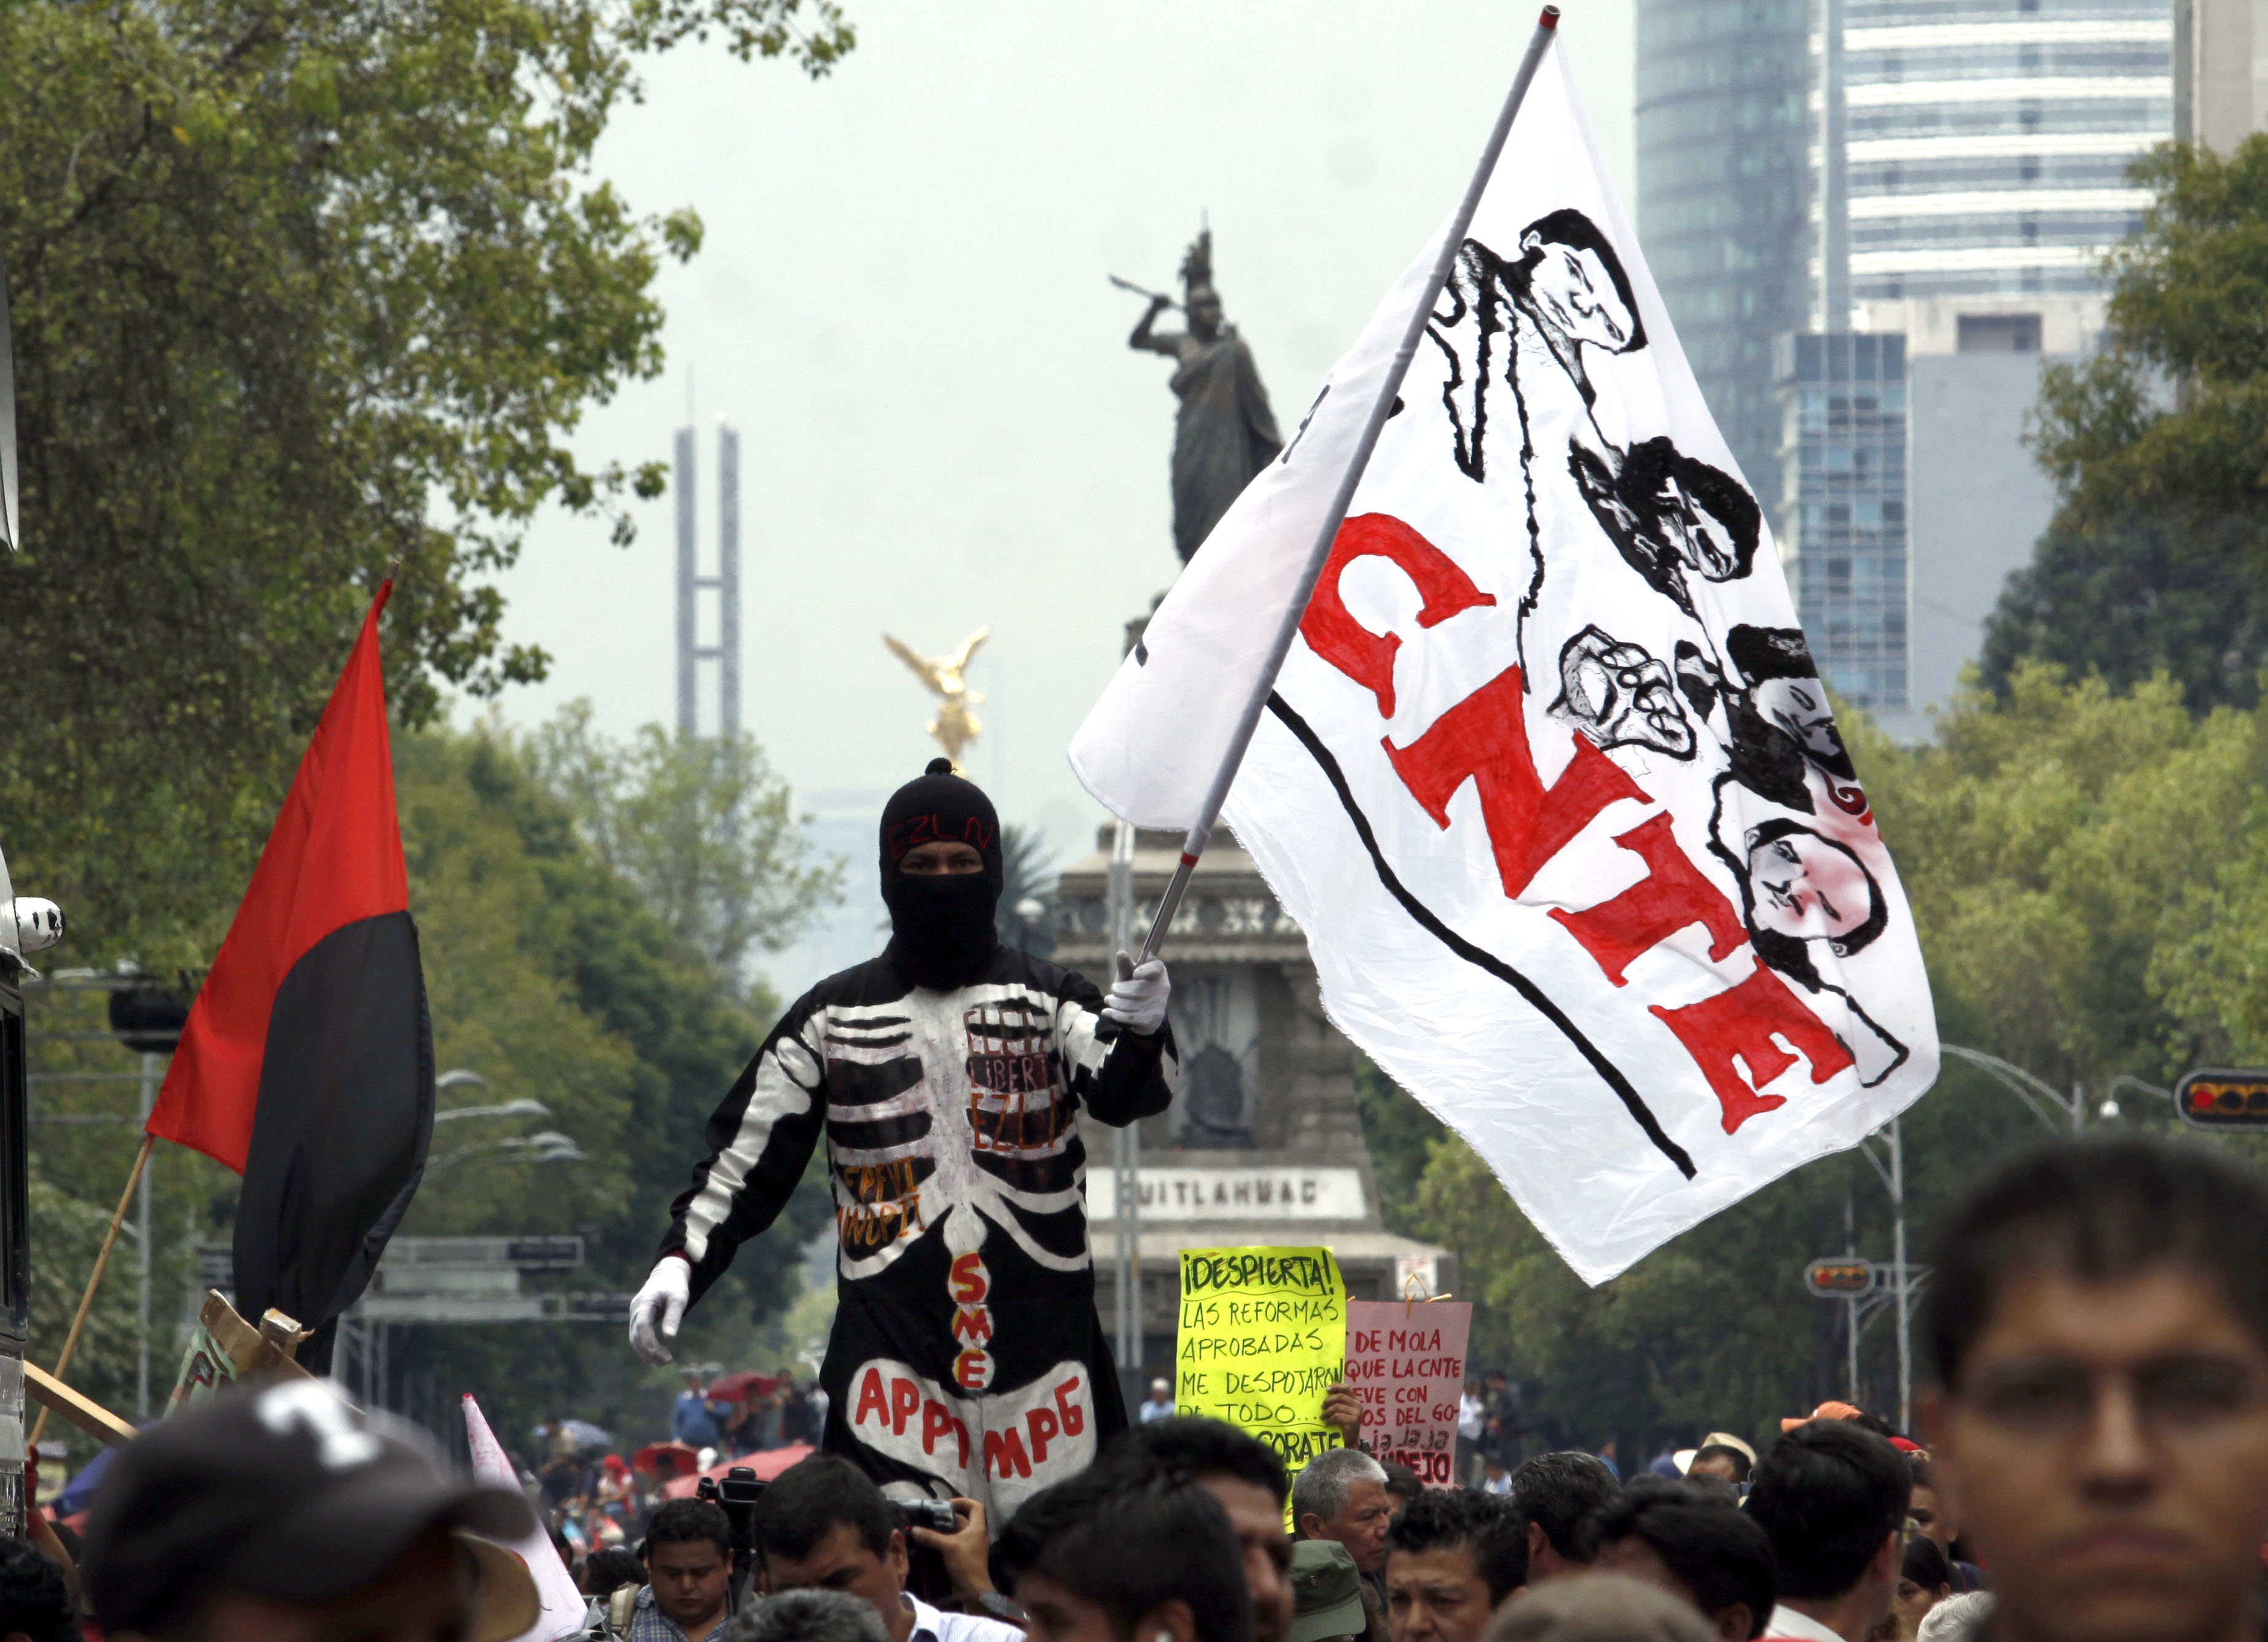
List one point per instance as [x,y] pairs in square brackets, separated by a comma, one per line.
[1249,721]
[86,1300]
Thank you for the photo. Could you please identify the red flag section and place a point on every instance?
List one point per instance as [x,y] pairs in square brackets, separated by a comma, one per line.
[333,859]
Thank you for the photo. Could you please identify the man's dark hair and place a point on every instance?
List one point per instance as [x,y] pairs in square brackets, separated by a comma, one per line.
[684,1522]
[1560,1493]
[1127,1538]
[1403,1483]
[2098,1209]
[807,1616]
[1485,1527]
[1725,1451]
[33,1597]
[606,1571]
[1925,1564]
[1827,1494]
[1194,1446]
[810,1497]
[1707,1543]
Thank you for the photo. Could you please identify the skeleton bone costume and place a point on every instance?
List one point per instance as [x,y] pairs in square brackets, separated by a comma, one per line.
[965,1355]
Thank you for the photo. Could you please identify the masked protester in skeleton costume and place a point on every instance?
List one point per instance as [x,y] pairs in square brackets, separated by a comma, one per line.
[946,1074]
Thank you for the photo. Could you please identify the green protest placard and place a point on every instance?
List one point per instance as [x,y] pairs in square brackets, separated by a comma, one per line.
[1263,1335]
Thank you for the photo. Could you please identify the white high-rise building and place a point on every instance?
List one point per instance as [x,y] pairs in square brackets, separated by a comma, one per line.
[1967,172]
[1983,144]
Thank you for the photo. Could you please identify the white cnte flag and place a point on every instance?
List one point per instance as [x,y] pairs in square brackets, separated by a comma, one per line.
[564,1607]
[1549,778]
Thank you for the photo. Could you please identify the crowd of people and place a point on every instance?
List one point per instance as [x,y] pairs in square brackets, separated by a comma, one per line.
[2090,1465]
[594,1500]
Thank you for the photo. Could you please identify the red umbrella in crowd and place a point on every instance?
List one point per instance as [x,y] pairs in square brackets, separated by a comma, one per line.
[666,1459]
[735,1388]
[767,1465]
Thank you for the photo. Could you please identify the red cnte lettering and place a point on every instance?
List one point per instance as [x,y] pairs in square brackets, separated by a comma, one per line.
[972,1323]
[1672,894]
[871,1398]
[972,1370]
[1365,656]
[1071,1408]
[1042,1424]
[1740,1023]
[1483,739]
[1004,1454]
[968,1278]
[905,1401]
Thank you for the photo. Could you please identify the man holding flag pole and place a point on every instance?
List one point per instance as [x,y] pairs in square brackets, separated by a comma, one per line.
[1489,669]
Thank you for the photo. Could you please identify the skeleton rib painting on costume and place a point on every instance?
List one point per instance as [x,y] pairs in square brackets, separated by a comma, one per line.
[943,1078]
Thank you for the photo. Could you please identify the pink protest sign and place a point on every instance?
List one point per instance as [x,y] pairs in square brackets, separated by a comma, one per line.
[1407,1364]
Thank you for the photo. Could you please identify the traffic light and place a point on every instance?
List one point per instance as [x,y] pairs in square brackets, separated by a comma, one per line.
[2223,1100]
[1839,1278]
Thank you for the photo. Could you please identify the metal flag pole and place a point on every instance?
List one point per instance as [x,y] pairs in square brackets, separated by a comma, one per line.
[1127,1141]
[1248,719]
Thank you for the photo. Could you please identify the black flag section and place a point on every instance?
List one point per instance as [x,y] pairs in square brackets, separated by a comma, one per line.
[344,1117]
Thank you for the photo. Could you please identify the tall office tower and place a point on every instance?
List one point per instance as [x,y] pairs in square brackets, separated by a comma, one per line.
[1969,164]
[1985,142]
[726,583]
[1843,519]
[1721,192]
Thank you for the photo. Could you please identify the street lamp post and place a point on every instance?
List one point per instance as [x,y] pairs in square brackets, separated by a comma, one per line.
[2031,1090]
[1891,1169]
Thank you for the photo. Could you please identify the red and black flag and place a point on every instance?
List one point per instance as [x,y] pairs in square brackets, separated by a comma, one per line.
[307,1061]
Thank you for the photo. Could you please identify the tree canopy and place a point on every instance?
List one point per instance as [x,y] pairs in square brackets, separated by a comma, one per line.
[2158,554]
[301,289]
[305,293]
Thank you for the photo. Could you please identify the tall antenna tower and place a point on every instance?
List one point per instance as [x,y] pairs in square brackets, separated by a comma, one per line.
[726,583]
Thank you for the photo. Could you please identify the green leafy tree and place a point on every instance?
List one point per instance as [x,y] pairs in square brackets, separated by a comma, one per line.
[2158,554]
[699,826]
[300,289]
[2147,597]
[2170,414]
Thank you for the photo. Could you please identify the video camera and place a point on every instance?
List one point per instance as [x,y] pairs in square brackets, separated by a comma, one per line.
[736,1496]
[934,1514]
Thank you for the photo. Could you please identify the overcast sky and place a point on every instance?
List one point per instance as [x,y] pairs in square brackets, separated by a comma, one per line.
[902,305]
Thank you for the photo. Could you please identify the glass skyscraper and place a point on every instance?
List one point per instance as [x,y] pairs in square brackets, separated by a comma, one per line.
[1721,192]
[1985,142]
[1843,524]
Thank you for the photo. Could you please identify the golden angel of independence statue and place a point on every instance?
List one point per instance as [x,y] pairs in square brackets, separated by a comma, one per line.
[954,726]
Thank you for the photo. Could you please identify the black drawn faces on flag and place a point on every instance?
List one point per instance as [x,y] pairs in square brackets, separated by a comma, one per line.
[1535,345]
[1803,894]
[1671,517]
[1802,886]
[1777,725]
[1619,696]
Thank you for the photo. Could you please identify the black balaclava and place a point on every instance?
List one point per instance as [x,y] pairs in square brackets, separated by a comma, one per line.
[941,928]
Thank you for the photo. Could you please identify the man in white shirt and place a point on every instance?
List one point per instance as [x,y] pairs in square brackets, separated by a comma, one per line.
[1161,1403]
[825,1525]
[1832,1496]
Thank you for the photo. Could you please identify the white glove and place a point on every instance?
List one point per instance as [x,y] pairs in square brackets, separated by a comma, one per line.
[660,1306]
[1137,1000]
